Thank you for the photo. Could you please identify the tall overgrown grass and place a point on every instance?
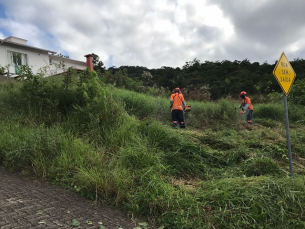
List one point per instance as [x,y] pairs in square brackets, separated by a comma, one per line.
[116,145]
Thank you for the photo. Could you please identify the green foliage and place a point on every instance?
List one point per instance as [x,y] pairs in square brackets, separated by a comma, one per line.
[62,55]
[75,223]
[117,145]
[262,166]
[297,94]
[98,65]
[139,105]
[266,122]
[120,79]
[183,158]
[269,111]
[212,114]
[204,80]
[137,157]
[46,99]
[30,149]
[90,87]
[218,79]
[68,77]
[2,70]
[296,113]
[275,97]
[250,202]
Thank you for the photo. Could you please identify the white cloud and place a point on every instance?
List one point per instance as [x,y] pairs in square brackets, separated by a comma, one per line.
[160,32]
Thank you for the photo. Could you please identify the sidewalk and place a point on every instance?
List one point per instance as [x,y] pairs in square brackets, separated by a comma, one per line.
[27,202]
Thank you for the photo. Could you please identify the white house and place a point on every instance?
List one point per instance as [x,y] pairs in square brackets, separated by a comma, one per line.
[14,52]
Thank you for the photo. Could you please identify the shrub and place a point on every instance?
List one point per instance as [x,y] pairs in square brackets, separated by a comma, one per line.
[297,94]
[2,70]
[269,111]
[296,112]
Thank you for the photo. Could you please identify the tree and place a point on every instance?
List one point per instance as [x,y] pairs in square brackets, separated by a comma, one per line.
[98,65]
[62,55]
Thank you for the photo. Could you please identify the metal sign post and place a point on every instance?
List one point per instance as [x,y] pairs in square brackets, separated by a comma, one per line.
[285,76]
[288,135]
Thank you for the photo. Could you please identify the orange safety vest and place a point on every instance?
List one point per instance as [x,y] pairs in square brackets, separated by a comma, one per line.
[247,100]
[177,101]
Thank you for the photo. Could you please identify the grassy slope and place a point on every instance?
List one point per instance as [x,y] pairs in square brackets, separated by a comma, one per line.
[119,147]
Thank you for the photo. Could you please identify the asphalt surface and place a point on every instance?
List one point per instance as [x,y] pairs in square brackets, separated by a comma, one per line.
[28,202]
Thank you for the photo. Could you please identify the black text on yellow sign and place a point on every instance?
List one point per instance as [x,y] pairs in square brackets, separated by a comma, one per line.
[284,74]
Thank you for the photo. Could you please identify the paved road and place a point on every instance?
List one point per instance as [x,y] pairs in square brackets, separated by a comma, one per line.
[26,202]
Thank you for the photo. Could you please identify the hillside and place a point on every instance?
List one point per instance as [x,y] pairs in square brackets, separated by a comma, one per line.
[118,146]
[201,80]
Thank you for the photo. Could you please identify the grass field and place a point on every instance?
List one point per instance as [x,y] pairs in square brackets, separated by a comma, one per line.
[118,146]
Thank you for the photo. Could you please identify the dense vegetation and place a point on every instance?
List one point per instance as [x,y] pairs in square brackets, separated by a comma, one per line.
[117,145]
[219,79]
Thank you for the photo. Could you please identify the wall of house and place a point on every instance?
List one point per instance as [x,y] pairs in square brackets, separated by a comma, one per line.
[39,61]
[2,56]
[59,65]
[34,60]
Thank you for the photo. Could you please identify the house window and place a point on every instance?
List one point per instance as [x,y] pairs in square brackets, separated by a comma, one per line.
[17,59]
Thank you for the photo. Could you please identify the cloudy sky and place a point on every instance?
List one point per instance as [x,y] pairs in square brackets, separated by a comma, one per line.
[156,33]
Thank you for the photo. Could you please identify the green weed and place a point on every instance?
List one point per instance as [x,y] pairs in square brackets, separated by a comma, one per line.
[117,146]
[262,166]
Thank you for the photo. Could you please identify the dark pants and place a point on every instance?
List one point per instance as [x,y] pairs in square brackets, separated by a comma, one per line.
[177,117]
[249,116]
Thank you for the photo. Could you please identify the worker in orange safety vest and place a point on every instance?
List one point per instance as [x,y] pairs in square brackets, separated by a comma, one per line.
[247,107]
[177,106]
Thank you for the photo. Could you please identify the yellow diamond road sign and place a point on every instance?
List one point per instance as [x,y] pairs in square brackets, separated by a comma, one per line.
[284,74]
